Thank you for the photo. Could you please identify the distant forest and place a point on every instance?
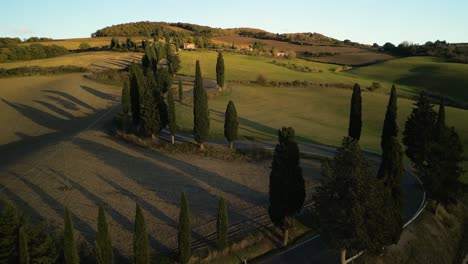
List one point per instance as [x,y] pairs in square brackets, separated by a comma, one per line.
[11,50]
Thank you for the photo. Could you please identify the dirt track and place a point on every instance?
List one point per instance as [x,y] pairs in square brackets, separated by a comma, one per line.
[44,144]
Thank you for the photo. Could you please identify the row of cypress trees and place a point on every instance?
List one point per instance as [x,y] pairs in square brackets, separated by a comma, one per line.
[22,244]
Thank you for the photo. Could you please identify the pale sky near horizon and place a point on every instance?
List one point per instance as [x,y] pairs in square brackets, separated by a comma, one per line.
[363,21]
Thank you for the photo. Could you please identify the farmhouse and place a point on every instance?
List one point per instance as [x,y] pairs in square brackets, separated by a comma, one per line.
[189,46]
[281,54]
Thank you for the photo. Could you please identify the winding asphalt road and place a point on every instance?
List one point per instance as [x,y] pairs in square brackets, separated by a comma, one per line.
[315,250]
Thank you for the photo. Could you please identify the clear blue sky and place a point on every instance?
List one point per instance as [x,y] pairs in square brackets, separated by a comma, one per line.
[365,21]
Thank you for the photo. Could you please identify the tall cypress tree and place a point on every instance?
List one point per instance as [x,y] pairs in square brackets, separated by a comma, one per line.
[287,188]
[419,131]
[222,224]
[136,83]
[201,120]
[9,224]
[23,251]
[126,100]
[150,116]
[141,251]
[355,118]
[43,245]
[231,123]
[165,80]
[348,203]
[390,127]
[103,241]
[181,91]
[184,231]
[220,70]
[70,248]
[172,115]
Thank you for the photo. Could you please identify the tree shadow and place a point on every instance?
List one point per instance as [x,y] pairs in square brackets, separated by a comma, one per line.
[55,109]
[64,103]
[70,98]
[97,93]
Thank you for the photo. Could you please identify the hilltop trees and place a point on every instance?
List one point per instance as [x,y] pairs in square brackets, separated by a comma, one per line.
[184,231]
[287,188]
[220,70]
[70,248]
[201,120]
[172,115]
[222,224]
[231,123]
[355,119]
[348,203]
[419,131]
[104,250]
[141,253]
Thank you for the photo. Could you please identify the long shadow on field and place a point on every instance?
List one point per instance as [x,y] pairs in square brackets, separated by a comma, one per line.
[55,109]
[64,103]
[70,98]
[104,96]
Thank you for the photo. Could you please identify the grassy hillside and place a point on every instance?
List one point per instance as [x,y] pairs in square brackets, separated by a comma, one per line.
[420,73]
[317,114]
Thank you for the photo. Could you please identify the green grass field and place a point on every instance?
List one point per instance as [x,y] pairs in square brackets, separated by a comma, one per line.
[317,114]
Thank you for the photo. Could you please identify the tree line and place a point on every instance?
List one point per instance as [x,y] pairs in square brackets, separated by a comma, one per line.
[30,52]
[24,243]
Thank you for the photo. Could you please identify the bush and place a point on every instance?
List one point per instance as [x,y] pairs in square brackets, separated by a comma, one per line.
[261,80]
[36,70]
[84,46]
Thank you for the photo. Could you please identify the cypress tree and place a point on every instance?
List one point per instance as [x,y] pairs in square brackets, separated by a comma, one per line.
[141,252]
[231,123]
[126,100]
[23,252]
[201,125]
[172,115]
[136,83]
[220,70]
[103,241]
[181,91]
[150,116]
[287,188]
[184,231]
[165,80]
[355,119]
[70,248]
[419,131]
[390,127]
[9,224]
[43,245]
[222,224]
[348,203]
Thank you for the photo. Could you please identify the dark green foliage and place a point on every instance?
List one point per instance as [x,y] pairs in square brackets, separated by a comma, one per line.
[355,119]
[70,248]
[126,100]
[184,231]
[23,251]
[9,224]
[231,122]
[443,166]
[113,43]
[419,131]
[136,83]
[165,80]
[287,189]
[149,59]
[181,91]
[171,113]
[173,60]
[37,70]
[222,225]
[30,52]
[201,119]
[105,254]
[348,203]
[43,246]
[141,251]
[390,127]
[150,116]
[220,70]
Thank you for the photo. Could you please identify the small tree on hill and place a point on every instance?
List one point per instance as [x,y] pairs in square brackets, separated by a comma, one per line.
[181,91]
[172,115]
[141,252]
[222,224]
[126,99]
[70,248]
[23,252]
[184,231]
[105,254]
[220,70]
[348,203]
[201,120]
[287,188]
[355,119]
[419,131]
[231,123]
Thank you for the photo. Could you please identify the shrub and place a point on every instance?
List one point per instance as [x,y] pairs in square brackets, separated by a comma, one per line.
[261,80]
